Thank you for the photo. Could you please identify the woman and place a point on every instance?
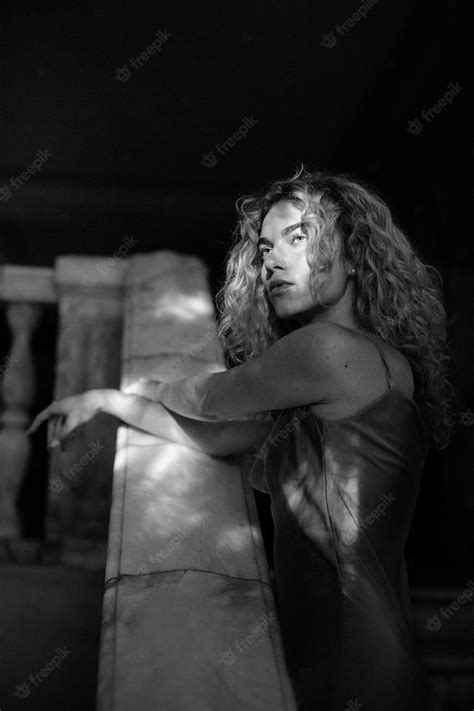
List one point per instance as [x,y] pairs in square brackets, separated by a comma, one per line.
[336,334]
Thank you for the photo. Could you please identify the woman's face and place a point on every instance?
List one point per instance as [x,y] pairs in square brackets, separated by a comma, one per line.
[283,244]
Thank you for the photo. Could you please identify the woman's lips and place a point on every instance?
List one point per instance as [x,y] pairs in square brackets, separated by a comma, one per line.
[280,289]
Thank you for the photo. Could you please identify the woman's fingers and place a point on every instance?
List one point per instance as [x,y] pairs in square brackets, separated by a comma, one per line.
[69,425]
[43,415]
[55,426]
[57,407]
[66,415]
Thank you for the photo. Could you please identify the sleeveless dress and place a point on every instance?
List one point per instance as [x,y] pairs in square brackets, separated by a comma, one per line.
[343,494]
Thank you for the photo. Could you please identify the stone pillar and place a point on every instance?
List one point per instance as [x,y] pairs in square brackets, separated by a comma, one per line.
[88,357]
[17,390]
[24,291]
[189,618]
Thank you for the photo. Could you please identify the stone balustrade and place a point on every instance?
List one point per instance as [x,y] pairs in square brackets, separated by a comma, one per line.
[189,614]
[89,302]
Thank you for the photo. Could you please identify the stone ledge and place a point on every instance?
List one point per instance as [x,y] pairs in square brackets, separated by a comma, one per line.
[31,284]
[191,640]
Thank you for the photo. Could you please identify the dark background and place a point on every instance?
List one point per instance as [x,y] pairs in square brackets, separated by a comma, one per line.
[127,156]
[127,159]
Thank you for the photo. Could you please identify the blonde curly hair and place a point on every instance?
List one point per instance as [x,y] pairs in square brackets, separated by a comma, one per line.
[397,296]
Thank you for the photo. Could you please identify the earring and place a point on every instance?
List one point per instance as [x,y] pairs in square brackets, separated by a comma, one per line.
[353,271]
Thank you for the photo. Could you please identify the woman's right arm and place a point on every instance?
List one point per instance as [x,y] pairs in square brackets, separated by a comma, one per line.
[220,439]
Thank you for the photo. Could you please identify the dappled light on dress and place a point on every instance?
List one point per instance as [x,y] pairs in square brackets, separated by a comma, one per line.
[342,495]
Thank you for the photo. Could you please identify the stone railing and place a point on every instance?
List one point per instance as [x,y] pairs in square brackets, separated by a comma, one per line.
[189,616]
[88,356]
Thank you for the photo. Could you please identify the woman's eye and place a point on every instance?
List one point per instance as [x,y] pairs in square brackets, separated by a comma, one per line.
[263,250]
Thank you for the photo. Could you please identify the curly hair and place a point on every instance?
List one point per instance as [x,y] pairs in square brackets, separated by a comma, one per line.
[398,298]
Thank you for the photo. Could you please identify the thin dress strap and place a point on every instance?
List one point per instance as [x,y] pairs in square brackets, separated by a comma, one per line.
[387,369]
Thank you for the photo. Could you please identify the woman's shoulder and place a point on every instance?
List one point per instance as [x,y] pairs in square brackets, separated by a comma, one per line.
[332,340]
[366,348]
[323,334]
[360,339]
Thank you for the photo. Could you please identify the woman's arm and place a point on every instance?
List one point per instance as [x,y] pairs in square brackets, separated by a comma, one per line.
[218,413]
[308,365]
[216,438]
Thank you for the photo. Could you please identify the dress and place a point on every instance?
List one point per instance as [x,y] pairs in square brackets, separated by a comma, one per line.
[342,498]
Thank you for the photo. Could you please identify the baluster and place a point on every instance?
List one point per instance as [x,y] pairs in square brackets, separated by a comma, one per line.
[17,390]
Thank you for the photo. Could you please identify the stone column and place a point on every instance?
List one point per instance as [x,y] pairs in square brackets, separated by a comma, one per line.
[189,618]
[88,357]
[17,389]
[24,291]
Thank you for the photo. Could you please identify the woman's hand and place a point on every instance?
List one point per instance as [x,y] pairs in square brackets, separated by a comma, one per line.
[67,414]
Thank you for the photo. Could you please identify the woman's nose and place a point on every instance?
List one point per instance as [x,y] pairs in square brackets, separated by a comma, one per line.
[276,259]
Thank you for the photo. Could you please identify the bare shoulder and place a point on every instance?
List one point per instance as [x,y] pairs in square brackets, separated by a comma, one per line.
[359,371]
[325,340]
[327,352]
[398,363]
[349,367]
